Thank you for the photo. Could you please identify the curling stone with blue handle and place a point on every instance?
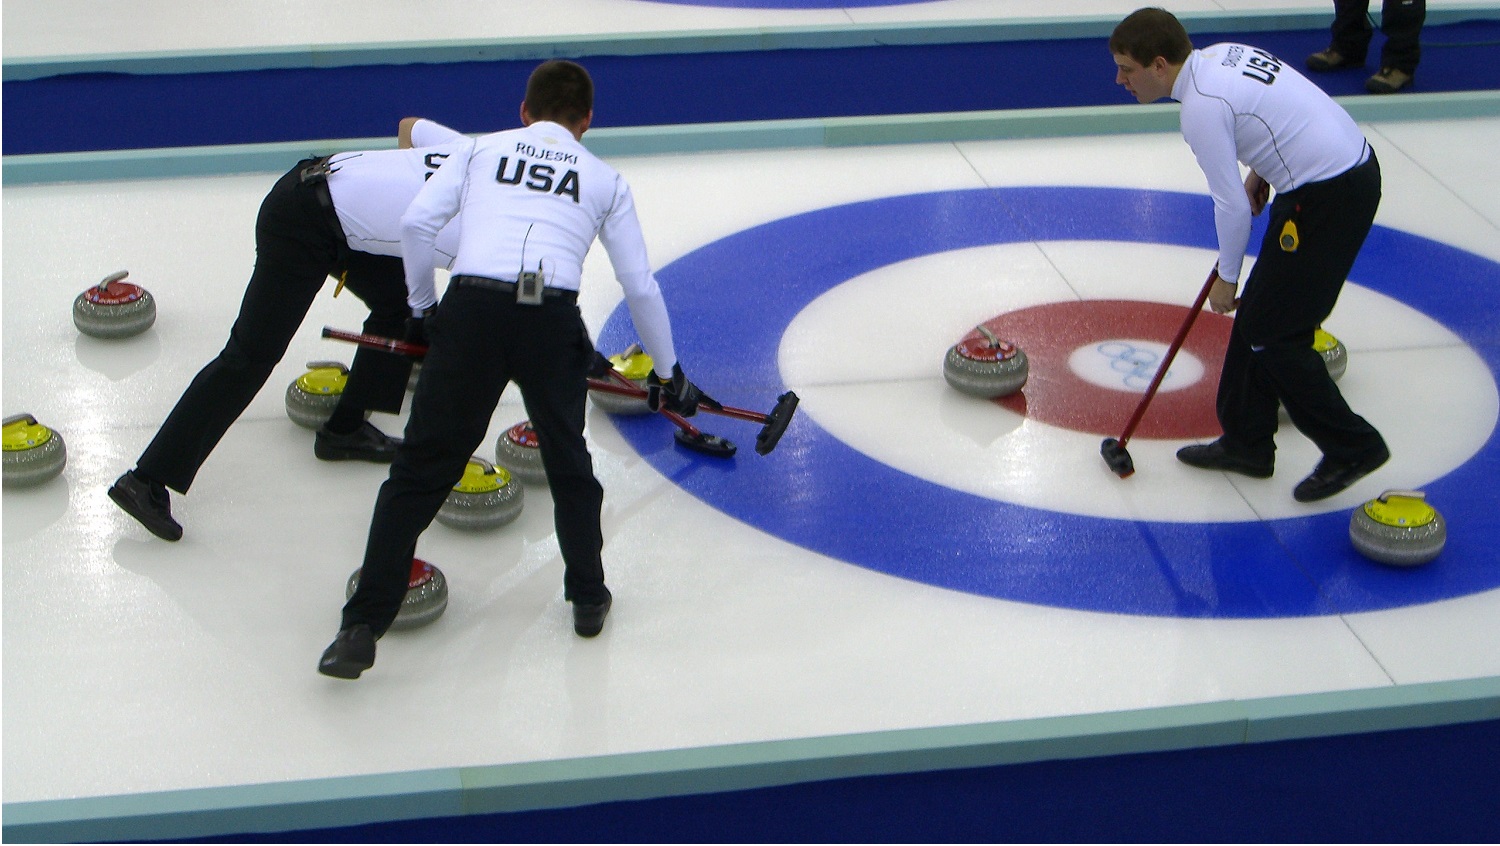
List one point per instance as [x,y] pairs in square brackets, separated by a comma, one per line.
[1398,528]
[33,453]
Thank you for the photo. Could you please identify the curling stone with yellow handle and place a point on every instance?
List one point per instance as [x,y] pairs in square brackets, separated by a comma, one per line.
[485,498]
[1398,528]
[635,365]
[33,453]
[311,397]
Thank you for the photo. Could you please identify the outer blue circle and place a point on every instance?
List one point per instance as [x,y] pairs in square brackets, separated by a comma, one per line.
[733,300]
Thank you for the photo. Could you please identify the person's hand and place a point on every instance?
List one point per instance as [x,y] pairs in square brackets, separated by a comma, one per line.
[600,367]
[675,394]
[1221,297]
[1259,192]
[416,328]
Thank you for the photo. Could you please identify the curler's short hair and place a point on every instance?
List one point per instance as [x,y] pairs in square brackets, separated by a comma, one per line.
[1148,33]
[561,91]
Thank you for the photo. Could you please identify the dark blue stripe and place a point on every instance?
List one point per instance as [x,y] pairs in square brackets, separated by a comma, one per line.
[1422,785]
[110,111]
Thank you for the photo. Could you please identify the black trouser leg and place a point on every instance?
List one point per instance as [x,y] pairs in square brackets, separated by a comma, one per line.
[1247,402]
[555,390]
[1314,402]
[1351,29]
[377,379]
[1285,299]
[294,252]
[482,339]
[1401,22]
[463,375]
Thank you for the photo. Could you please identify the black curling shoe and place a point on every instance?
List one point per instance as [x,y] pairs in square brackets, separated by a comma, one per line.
[366,443]
[588,620]
[1214,457]
[149,504]
[1332,476]
[350,654]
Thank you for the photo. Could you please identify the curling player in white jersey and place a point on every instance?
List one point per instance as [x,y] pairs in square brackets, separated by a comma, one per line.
[533,201]
[330,216]
[1242,104]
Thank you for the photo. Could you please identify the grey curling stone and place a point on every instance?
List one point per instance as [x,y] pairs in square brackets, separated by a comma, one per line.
[984,366]
[33,453]
[426,595]
[485,498]
[1398,528]
[518,451]
[1335,354]
[114,308]
[311,397]
[634,365]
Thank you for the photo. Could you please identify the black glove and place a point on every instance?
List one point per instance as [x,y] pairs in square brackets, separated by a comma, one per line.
[601,366]
[677,395]
[416,329]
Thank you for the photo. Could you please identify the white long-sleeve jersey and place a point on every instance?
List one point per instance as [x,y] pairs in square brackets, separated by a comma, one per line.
[1241,104]
[371,189]
[534,200]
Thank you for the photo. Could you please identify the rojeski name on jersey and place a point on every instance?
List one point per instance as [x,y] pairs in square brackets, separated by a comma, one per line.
[545,154]
[539,176]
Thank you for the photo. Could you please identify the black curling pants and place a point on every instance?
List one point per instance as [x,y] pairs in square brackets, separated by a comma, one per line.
[1400,21]
[481,340]
[298,245]
[1270,358]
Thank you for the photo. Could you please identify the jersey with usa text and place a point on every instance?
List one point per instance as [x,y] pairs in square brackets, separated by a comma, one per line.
[1242,104]
[534,200]
[371,189]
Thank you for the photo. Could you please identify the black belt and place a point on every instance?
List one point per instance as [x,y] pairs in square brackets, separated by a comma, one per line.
[1347,173]
[510,287]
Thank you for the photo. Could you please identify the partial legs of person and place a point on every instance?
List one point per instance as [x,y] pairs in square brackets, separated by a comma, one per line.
[294,252]
[377,379]
[1401,22]
[555,390]
[1349,37]
[463,375]
[1287,296]
[1247,408]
